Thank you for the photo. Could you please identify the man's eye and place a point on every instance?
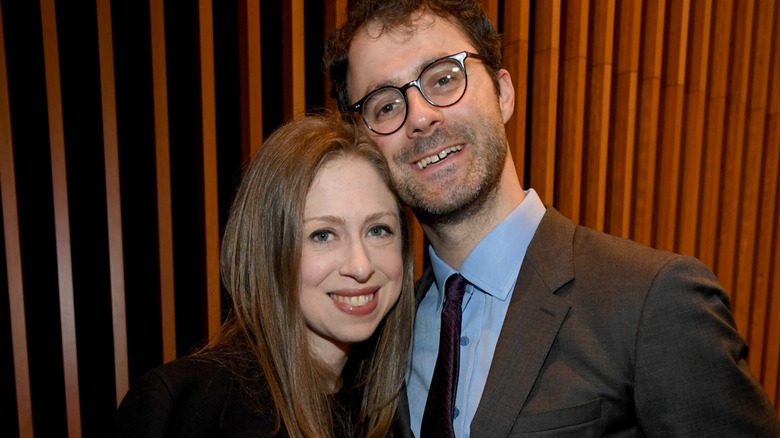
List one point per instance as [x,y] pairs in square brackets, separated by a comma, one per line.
[388,109]
[443,81]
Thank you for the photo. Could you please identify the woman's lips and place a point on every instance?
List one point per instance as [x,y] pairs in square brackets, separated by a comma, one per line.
[356,302]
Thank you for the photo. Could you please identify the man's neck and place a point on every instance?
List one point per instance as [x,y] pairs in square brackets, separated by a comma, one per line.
[454,242]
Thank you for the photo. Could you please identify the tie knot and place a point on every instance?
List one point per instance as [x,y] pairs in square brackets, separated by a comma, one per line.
[455,287]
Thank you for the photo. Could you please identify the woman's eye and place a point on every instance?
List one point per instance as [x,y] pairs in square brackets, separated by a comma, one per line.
[321,236]
[380,231]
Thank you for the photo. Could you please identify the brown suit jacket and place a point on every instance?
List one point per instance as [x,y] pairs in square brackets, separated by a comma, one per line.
[607,337]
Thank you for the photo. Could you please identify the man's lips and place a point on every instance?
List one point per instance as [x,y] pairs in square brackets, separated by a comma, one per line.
[435,158]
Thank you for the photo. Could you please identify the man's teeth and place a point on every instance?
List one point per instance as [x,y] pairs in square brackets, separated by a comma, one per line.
[357,301]
[422,164]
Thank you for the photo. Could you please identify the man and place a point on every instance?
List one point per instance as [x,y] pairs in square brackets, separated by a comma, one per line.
[565,330]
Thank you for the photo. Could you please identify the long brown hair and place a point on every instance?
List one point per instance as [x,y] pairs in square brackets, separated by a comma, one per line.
[260,262]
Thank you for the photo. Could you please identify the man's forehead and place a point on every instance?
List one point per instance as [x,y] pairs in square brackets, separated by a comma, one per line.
[409,46]
[380,56]
[401,31]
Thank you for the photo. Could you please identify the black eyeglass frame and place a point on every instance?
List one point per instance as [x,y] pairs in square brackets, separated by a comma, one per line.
[459,57]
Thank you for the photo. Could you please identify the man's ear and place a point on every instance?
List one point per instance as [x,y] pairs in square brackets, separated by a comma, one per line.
[506,95]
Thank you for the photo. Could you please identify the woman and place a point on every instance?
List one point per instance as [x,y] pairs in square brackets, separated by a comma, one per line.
[317,260]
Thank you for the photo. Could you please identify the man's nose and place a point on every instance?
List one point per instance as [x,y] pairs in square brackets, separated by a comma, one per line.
[422,117]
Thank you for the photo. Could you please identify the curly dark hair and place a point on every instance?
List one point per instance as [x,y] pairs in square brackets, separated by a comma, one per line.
[394,14]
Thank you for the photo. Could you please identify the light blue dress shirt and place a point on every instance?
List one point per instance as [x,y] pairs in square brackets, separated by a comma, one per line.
[491,269]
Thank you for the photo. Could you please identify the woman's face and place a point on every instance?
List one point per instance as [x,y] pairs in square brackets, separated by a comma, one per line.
[351,267]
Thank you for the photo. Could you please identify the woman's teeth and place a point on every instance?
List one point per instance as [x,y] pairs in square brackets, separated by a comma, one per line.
[422,164]
[357,301]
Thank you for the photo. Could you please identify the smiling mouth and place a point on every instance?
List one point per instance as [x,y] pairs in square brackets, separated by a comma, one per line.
[435,158]
[356,301]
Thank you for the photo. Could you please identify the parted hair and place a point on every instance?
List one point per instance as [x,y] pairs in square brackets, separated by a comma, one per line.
[402,15]
[261,262]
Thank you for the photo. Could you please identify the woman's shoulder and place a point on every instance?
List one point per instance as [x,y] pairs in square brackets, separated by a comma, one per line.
[208,377]
[193,370]
[194,394]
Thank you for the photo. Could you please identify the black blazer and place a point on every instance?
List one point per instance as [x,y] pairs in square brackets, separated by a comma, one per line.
[607,337]
[194,397]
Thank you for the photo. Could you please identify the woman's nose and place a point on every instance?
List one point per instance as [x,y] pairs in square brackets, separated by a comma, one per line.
[357,262]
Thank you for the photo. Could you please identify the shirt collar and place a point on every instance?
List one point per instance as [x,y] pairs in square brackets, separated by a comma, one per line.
[493,265]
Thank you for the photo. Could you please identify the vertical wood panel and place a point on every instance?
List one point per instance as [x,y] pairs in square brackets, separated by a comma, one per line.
[209,178]
[733,157]
[517,18]
[693,129]
[334,15]
[544,98]
[61,217]
[668,181]
[572,109]
[598,110]
[251,77]
[491,9]
[294,102]
[113,197]
[13,257]
[647,125]
[746,275]
[771,375]
[764,252]
[620,176]
[768,260]
[715,121]
[163,169]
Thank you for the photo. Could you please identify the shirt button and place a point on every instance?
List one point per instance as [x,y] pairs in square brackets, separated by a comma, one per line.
[457,412]
[464,341]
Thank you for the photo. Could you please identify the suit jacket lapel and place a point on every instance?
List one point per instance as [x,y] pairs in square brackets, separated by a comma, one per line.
[532,322]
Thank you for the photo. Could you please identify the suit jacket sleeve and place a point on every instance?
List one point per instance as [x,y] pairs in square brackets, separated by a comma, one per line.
[692,378]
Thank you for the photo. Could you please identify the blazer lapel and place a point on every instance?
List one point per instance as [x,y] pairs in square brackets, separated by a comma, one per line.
[402,427]
[532,322]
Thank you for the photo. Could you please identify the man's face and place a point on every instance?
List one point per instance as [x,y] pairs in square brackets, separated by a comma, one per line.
[441,159]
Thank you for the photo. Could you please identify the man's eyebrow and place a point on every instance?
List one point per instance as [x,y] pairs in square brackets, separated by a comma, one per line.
[395,82]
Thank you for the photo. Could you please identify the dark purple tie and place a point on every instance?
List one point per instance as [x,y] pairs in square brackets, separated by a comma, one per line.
[440,406]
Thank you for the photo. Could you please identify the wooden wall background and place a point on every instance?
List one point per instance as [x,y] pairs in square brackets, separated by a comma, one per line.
[124,125]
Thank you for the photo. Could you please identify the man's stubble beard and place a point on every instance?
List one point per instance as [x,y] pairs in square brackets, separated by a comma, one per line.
[453,204]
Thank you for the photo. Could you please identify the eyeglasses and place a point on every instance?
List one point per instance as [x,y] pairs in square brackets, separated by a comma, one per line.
[442,83]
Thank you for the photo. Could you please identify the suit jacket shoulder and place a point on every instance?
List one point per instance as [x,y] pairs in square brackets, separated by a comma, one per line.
[605,336]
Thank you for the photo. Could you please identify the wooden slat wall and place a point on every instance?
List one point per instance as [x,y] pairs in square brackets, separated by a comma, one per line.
[251,77]
[163,173]
[113,196]
[13,257]
[61,216]
[209,175]
[654,120]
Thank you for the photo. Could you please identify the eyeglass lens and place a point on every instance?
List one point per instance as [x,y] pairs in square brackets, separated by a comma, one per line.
[441,84]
